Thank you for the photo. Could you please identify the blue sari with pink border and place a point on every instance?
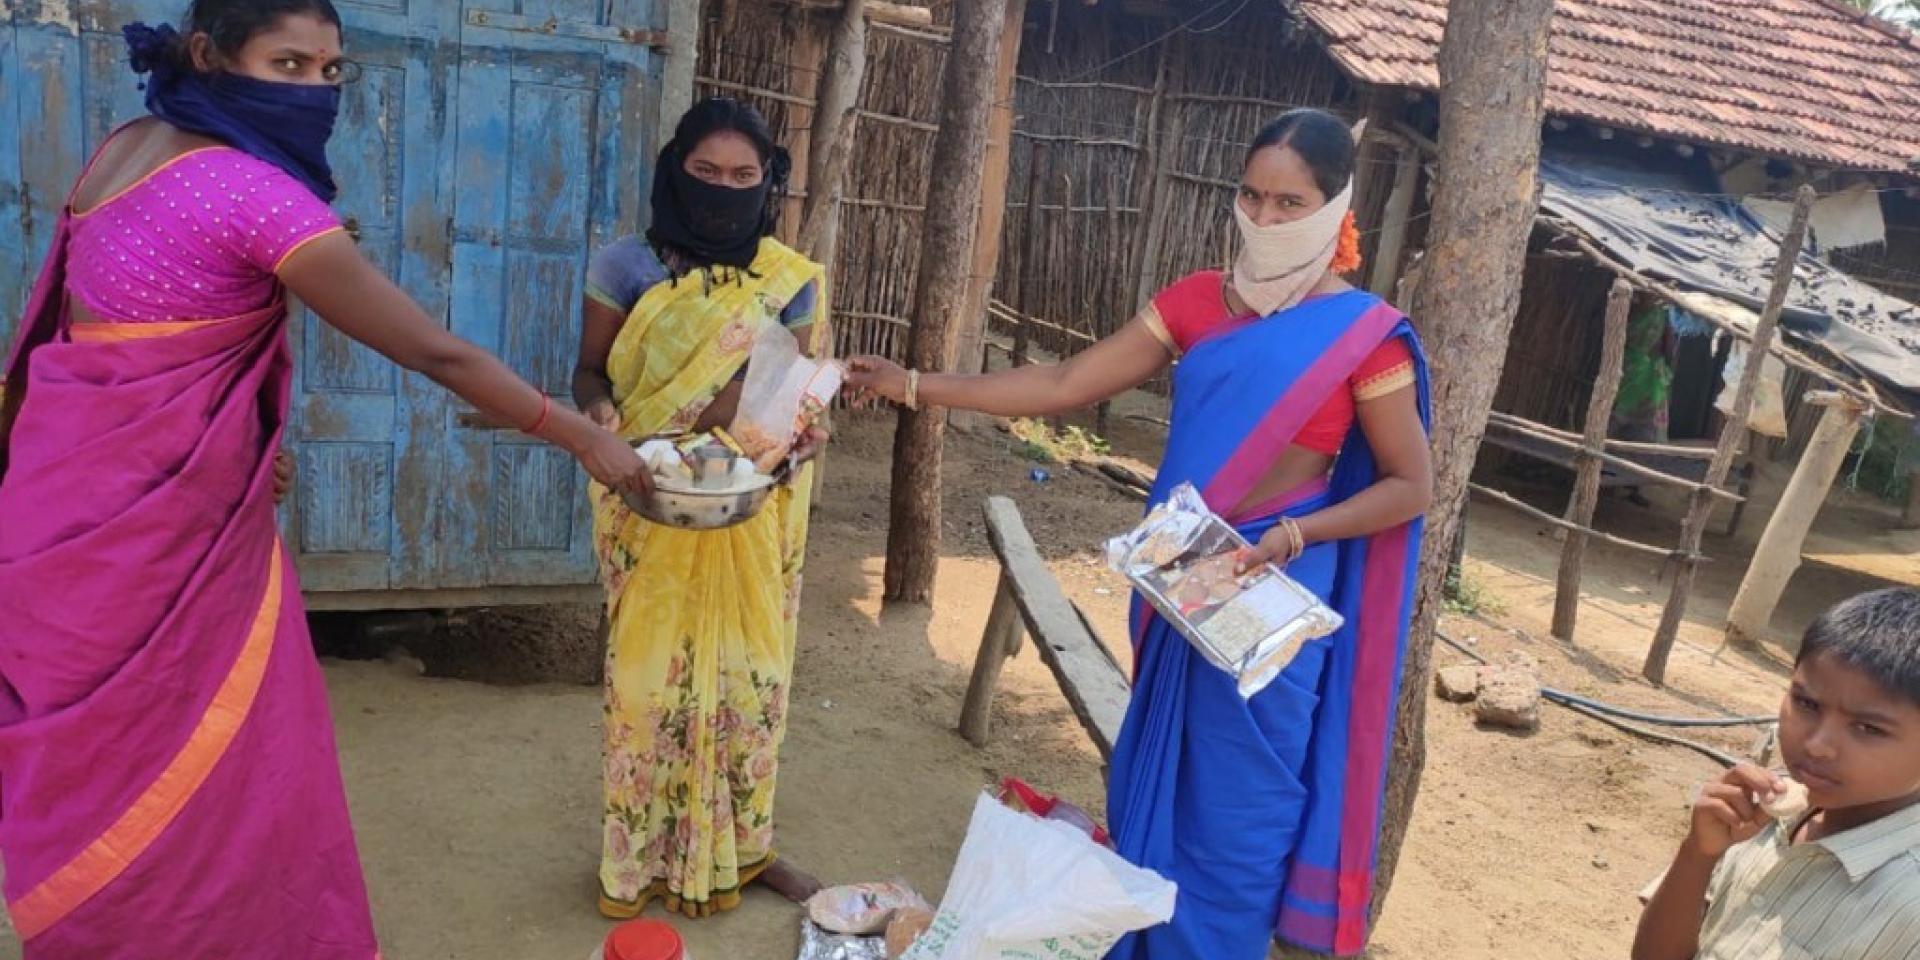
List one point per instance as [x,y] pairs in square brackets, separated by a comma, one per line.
[1266,811]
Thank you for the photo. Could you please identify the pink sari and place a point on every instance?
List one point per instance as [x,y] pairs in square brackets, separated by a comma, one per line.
[167,768]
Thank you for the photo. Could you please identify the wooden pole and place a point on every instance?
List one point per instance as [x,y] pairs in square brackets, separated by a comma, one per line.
[1393,228]
[946,259]
[679,66]
[1029,232]
[1732,437]
[1778,554]
[1910,514]
[1586,488]
[836,122]
[988,237]
[1493,80]
[1150,230]
[1000,641]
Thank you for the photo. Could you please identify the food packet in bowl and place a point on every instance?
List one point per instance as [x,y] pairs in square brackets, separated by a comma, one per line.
[1182,558]
[784,394]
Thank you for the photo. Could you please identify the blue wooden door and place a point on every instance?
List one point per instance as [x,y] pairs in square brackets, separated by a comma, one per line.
[367,435]
[64,85]
[555,138]
[486,149]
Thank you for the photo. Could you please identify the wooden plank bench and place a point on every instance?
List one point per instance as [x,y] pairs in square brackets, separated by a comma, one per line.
[1029,600]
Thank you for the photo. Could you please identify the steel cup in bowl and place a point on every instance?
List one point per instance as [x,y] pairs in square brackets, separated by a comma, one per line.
[688,508]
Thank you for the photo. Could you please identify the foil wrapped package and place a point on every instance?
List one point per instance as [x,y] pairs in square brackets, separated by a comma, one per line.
[818,944]
[1182,558]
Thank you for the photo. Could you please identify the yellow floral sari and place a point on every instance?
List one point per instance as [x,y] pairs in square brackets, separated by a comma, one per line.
[703,622]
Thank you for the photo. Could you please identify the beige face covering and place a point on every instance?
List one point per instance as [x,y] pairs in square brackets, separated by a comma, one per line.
[1279,264]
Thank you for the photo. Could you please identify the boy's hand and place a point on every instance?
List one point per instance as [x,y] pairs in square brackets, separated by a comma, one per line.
[1729,810]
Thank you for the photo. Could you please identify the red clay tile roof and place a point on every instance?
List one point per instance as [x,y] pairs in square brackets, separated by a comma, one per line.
[1803,79]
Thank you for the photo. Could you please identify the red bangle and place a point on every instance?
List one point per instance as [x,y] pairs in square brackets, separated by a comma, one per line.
[546,409]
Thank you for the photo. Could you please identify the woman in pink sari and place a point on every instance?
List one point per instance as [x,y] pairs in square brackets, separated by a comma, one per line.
[168,783]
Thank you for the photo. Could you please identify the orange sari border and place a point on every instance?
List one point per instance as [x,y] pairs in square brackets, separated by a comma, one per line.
[104,332]
[121,844]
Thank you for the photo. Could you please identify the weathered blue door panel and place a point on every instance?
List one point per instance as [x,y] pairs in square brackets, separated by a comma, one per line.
[16,273]
[366,432]
[538,170]
[486,149]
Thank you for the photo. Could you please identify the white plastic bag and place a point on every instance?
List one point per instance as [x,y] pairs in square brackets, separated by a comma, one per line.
[1031,889]
[784,393]
[1769,414]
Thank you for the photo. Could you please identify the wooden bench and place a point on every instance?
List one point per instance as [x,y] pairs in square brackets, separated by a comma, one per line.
[1029,601]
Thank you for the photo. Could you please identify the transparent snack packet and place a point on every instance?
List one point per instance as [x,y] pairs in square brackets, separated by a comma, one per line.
[1182,557]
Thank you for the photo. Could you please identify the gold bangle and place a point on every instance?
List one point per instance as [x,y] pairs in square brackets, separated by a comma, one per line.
[1296,541]
[913,390]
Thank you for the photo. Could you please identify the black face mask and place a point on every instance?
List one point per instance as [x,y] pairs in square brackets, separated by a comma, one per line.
[710,224]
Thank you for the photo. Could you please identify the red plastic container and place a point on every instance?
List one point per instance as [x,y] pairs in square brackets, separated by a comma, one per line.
[643,940]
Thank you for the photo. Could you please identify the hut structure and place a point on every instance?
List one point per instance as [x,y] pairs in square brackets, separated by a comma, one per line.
[1118,143]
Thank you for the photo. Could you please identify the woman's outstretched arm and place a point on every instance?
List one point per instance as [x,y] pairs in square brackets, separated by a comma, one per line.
[1110,367]
[340,285]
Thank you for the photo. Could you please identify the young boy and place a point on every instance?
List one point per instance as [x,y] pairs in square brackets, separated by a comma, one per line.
[1840,881]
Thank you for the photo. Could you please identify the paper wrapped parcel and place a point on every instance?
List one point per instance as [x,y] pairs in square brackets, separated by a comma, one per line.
[1182,558]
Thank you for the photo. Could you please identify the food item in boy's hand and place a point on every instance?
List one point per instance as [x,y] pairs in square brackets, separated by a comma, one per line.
[1789,803]
[907,925]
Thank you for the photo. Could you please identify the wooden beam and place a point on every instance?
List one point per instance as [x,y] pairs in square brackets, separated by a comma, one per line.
[1586,487]
[1150,231]
[900,15]
[1619,463]
[1007,314]
[1095,689]
[969,89]
[989,232]
[1379,112]
[1616,446]
[1732,437]
[998,643]
[1029,233]
[1388,252]
[678,66]
[1777,555]
[1664,553]
[836,121]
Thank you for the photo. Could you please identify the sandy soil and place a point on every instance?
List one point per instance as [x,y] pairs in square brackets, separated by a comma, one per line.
[477,804]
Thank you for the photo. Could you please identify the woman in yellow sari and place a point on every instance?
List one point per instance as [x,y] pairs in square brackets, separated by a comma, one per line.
[703,623]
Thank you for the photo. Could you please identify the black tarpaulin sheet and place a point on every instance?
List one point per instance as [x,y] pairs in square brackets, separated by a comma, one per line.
[1710,244]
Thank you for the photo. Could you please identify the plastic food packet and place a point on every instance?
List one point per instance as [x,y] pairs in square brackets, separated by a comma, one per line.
[1181,558]
[906,927]
[818,944]
[862,909]
[784,394]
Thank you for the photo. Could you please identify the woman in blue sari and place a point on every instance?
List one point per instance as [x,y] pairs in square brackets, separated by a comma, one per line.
[1300,413]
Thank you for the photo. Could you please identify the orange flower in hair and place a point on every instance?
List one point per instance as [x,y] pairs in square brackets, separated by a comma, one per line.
[1346,255]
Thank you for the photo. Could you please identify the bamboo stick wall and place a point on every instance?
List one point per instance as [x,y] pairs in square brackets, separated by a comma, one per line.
[1553,353]
[1127,132]
[770,54]
[1111,162]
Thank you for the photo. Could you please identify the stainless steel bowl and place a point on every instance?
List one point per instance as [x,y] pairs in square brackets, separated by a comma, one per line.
[695,509]
[702,509]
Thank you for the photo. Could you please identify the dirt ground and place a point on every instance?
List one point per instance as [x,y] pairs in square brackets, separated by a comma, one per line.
[476,802]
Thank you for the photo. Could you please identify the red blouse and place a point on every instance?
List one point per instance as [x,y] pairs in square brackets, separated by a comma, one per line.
[1186,312]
